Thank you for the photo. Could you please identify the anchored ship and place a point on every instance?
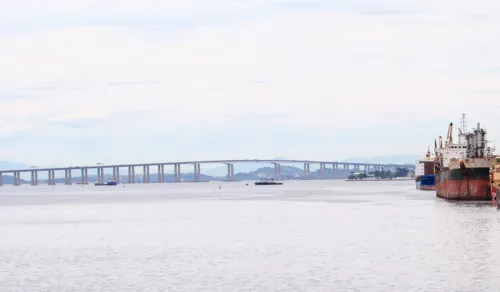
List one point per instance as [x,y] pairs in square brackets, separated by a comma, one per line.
[462,169]
[110,182]
[424,173]
[268,182]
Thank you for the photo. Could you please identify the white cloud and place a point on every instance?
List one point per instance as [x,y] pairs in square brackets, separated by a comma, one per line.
[326,69]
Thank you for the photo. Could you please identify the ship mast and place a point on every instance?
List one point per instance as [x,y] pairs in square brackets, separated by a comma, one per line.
[462,130]
[463,124]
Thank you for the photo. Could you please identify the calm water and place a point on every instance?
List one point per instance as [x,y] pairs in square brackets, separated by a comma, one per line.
[303,236]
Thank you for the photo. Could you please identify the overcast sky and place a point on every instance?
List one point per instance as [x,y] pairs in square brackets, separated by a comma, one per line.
[158,80]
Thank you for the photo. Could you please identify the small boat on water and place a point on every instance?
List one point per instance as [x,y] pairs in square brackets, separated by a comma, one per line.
[267,182]
[110,182]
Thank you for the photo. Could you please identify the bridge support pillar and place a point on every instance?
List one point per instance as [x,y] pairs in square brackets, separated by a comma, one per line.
[230,171]
[101,178]
[34,178]
[277,171]
[68,179]
[1,179]
[161,174]
[145,176]
[197,172]
[322,168]
[51,179]
[116,174]
[131,175]
[16,178]
[86,174]
[177,172]
[307,169]
[100,175]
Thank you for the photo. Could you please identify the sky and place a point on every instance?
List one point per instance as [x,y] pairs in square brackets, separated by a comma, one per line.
[127,81]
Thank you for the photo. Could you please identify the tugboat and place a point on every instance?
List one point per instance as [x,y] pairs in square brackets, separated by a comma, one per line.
[267,182]
[110,182]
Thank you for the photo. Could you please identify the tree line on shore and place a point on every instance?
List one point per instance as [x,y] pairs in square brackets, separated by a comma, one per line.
[380,174]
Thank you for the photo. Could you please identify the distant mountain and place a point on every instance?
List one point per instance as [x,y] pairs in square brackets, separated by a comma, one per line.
[238,167]
[6,165]
[9,179]
[390,159]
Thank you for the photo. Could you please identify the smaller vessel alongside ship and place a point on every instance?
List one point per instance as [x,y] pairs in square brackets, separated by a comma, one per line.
[110,182]
[424,173]
[426,182]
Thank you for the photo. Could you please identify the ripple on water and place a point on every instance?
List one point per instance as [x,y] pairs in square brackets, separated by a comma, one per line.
[303,236]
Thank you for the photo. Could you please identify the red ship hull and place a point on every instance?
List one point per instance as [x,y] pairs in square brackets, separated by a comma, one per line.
[471,184]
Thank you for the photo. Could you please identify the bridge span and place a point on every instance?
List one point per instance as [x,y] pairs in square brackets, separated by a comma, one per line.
[131,178]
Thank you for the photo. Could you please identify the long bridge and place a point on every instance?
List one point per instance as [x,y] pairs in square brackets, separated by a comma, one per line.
[84,177]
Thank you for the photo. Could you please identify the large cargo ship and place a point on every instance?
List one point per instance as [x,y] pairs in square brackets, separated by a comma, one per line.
[462,169]
[424,173]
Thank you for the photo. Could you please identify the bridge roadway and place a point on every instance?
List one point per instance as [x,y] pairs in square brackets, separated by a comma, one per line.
[177,169]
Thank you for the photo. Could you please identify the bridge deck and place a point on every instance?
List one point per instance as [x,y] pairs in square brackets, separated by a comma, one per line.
[231,161]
